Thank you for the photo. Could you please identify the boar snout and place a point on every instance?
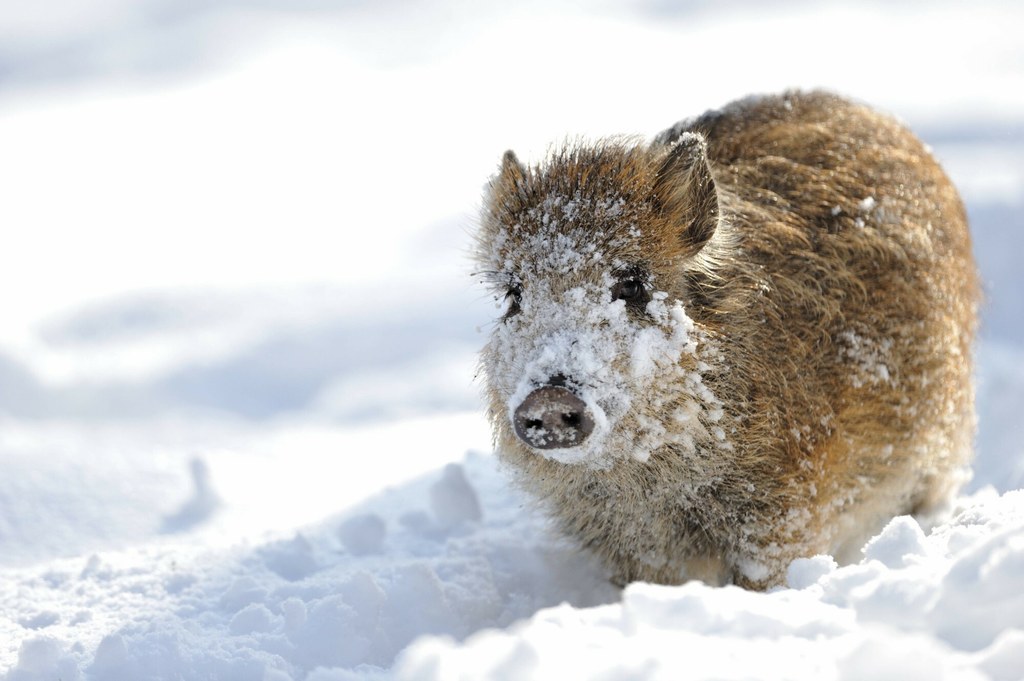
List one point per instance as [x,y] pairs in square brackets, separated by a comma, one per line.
[553,417]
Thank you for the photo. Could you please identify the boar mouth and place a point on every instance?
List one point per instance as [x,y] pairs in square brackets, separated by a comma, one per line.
[552,417]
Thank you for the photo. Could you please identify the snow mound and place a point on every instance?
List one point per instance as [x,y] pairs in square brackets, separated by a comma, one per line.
[942,606]
[448,554]
[452,576]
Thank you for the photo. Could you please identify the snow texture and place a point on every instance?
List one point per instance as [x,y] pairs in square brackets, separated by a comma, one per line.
[347,594]
[238,342]
[911,592]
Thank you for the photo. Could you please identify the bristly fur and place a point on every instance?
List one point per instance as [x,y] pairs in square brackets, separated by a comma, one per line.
[825,261]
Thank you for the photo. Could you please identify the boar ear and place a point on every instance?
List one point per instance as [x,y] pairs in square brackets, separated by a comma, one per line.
[512,173]
[685,192]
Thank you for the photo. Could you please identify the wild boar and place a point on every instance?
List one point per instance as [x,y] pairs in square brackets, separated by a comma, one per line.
[747,341]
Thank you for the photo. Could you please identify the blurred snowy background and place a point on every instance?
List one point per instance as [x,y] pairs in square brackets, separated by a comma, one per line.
[235,299]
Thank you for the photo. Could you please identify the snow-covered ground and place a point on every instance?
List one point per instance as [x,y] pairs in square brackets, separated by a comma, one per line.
[239,432]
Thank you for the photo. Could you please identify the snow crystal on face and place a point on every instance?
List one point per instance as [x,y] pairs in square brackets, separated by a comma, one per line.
[629,370]
[579,339]
[584,337]
[654,348]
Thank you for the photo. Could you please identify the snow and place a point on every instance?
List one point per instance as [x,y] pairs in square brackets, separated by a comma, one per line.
[239,429]
[348,591]
[866,204]
[868,355]
[582,333]
[917,607]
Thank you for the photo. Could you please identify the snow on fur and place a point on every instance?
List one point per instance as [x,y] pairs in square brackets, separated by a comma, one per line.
[572,327]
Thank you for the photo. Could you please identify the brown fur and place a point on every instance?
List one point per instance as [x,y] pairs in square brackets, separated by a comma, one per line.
[825,261]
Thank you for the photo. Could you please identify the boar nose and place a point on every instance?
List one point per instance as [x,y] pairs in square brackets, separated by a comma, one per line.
[553,417]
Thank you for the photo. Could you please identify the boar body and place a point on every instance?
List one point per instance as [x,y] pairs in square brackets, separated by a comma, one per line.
[742,343]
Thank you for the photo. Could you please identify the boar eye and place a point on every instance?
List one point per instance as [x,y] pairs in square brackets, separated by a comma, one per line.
[513,298]
[632,291]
